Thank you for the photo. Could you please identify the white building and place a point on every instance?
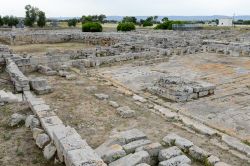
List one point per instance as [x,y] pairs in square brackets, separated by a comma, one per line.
[227,22]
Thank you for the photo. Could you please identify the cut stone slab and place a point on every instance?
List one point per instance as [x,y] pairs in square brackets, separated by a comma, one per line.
[113,153]
[176,161]
[142,164]
[174,139]
[166,112]
[41,107]
[102,96]
[132,135]
[212,160]
[169,153]
[132,159]
[49,151]
[113,104]
[50,121]
[16,119]
[236,144]
[130,147]
[153,149]
[71,77]
[32,122]
[198,154]
[83,157]
[29,120]
[42,140]
[125,112]
[40,86]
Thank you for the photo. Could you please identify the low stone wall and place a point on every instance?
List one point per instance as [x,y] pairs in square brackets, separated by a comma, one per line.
[71,148]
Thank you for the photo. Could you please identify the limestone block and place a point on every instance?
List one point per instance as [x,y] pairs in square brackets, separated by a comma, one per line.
[132,159]
[198,153]
[139,98]
[49,151]
[80,157]
[174,139]
[130,147]
[132,135]
[114,152]
[113,104]
[16,119]
[153,149]
[221,164]
[212,160]
[101,96]
[176,161]
[36,132]
[169,153]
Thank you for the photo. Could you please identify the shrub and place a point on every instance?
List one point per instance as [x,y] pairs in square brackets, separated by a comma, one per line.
[147,24]
[167,25]
[126,26]
[91,27]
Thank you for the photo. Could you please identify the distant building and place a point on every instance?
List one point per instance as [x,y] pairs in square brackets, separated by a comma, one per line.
[227,22]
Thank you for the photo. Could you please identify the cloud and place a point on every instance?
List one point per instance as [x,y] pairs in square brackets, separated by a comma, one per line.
[56,8]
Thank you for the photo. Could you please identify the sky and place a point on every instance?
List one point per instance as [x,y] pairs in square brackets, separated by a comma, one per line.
[77,8]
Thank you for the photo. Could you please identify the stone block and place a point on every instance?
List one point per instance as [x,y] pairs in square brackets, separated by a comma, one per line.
[132,159]
[176,161]
[198,154]
[153,149]
[42,140]
[125,112]
[114,152]
[130,147]
[212,160]
[169,153]
[132,135]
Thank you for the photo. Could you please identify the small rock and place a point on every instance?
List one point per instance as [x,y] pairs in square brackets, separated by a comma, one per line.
[49,151]
[126,112]
[32,122]
[113,104]
[113,153]
[139,98]
[71,77]
[36,132]
[29,120]
[42,140]
[16,119]
[212,160]
[102,96]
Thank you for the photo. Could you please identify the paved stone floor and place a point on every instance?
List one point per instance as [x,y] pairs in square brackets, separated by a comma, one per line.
[227,110]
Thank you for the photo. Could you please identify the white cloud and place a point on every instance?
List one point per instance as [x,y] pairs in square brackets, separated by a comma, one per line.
[128,7]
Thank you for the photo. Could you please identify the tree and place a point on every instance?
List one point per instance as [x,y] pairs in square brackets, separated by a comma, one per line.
[164,19]
[1,21]
[13,21]
[30,15]
[126,26]
[72,22]
[91,27]
[129,19]
[155,19]
[41,19]
[101,18]
[6,20]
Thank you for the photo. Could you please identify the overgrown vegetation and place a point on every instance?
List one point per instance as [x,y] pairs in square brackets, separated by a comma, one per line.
[168,24]
[94,18]
[72,22]
[9,21]
[33,14]
[126,26]
[91,27]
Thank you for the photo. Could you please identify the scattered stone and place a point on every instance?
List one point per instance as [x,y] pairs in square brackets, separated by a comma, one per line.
[63,73]
[113,104]
[176,161]
[139,98]
[130,147]
[29,120]
[49,151]
[71,77]
[36,132]
[198,153]
[169,153]
[101,96]
[132,135]
[42,140]
[16,119]
[32,122]
[125,112]
[132,159]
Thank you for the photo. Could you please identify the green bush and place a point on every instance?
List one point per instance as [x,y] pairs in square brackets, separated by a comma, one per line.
[167,25]
[91,27]
[147,24]
[126,26]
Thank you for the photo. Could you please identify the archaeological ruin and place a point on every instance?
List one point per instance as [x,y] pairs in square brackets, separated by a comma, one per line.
[147,97]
